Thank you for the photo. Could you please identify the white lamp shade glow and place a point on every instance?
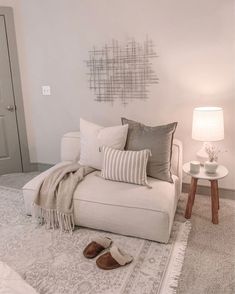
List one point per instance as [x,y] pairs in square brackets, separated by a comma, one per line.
[208,124]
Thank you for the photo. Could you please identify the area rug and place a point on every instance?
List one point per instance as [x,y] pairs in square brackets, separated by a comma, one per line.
[52,262]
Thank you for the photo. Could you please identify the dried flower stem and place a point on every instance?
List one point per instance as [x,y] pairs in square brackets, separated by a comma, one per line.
[212,152]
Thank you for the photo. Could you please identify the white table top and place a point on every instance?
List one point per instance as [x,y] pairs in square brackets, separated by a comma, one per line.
[221,172]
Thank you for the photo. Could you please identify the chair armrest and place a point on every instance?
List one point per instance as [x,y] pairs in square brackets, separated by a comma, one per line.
[70,146]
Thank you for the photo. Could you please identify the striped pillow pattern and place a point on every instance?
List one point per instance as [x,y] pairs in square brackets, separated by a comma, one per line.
[125,166]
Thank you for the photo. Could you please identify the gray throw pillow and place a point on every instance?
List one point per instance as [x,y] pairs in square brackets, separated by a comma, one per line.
[159,140]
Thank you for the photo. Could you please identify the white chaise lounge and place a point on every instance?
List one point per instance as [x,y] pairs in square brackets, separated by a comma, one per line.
[121,208]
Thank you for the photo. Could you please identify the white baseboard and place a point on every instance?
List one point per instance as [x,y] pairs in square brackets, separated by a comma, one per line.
[205,190]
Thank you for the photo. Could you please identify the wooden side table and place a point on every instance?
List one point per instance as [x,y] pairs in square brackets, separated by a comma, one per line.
[221,172]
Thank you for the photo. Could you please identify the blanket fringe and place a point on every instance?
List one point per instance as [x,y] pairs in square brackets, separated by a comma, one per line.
[175,264]
[54,219]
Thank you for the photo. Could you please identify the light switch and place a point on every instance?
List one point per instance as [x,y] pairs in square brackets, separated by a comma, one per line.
[46,90]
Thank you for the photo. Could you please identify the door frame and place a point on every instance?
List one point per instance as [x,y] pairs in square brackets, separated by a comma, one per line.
[7,13]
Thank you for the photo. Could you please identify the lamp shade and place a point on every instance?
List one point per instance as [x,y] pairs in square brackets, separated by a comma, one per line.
[208,124]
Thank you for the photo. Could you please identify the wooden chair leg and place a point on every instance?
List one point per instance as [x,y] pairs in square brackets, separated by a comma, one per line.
[214,201]
[191,197]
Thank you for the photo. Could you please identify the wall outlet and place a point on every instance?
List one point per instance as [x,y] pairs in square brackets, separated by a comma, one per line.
[46,90]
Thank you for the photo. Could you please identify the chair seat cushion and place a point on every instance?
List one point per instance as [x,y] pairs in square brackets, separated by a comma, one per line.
[96,189]
[127,208]
[118,207]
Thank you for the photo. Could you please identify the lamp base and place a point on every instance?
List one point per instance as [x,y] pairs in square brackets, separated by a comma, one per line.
[202,156]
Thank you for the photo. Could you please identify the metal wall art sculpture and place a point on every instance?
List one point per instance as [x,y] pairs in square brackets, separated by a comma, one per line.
[121,71]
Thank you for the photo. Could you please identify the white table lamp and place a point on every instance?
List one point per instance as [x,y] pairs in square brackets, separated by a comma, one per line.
[208,126]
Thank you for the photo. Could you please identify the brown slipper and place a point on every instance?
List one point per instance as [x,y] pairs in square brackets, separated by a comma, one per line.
[95,247]
[113,259]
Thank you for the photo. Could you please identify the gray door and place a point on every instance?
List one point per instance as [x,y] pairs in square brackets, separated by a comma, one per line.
[10,156]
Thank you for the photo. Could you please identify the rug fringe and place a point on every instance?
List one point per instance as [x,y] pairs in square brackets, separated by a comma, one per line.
[176,260]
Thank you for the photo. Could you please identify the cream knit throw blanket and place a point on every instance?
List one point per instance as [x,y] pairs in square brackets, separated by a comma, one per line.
[54,197]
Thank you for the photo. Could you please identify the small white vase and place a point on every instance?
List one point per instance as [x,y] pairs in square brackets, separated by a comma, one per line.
[211,167]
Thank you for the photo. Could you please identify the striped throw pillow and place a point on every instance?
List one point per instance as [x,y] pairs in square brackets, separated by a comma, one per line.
[125,166]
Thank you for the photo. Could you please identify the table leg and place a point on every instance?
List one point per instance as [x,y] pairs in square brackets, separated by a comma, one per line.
[214,201]
[191,197]
[217,188]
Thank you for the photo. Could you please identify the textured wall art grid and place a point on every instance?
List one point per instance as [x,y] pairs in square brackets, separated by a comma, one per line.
[122,71]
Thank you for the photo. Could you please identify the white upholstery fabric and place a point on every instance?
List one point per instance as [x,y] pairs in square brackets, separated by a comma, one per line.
[70,150]
[70,146]
[93,137]
[12,283]
[176,160]
[119,207]
[125,208]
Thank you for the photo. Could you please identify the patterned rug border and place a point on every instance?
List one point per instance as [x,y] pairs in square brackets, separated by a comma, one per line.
[175,263]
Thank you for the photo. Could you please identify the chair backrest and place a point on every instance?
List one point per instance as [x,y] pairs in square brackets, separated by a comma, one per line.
[70,151]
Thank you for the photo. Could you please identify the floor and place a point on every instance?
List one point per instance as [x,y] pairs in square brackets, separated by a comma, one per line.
[17,180]
[209,265]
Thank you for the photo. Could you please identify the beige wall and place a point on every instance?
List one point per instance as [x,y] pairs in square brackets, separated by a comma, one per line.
[196,66]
